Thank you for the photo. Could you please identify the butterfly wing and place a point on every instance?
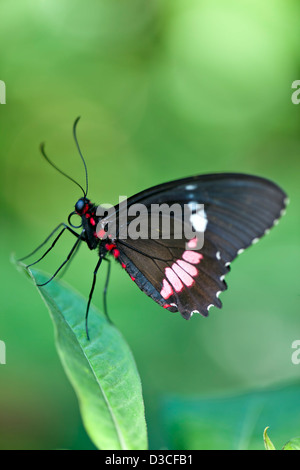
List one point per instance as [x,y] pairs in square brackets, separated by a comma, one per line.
[238,210]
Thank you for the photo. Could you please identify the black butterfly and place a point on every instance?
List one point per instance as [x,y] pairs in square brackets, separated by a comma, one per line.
[238,209]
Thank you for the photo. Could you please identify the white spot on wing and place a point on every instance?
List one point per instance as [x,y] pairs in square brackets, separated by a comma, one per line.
[193,206]
[282,212]
[198,219]
[190,187]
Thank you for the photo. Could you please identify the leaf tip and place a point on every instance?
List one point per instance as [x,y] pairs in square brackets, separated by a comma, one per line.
[267,441]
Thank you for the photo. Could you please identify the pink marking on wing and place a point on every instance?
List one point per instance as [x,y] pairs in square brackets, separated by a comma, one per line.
[193,243]
[167,290]
[192,257]
[189,268]
[183,275]
[174,279]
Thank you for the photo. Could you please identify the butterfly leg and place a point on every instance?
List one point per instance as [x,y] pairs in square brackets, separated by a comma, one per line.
[90,297]
[79,239]
[105,289]
[63,272]
[65,227]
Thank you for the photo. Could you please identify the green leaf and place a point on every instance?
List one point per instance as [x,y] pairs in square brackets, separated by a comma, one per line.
[268,443]
[293,444]
[102,370]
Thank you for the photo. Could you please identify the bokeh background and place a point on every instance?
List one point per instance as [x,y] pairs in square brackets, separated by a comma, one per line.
[166,89]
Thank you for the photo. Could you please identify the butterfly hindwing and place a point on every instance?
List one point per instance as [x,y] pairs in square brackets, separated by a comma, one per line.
[188,281]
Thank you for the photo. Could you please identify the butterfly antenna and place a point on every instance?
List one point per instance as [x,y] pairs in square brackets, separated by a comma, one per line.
[80,153]
[42,147]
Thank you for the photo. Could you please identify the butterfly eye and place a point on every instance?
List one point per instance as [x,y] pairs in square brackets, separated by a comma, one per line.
[79,206]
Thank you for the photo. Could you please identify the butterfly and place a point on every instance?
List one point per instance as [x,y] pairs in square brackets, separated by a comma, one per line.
[227,212]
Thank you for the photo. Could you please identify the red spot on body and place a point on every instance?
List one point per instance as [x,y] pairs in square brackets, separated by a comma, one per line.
[167,305]
[116,253]
[92,221]
[133,278]
[86,208]
[110,246]
[123,265]
[87,215]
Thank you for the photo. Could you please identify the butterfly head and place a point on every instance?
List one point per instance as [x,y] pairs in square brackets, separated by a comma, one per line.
[84,209]
[82,206]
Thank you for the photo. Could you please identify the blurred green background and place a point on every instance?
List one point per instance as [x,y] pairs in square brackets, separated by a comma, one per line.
[166,89]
